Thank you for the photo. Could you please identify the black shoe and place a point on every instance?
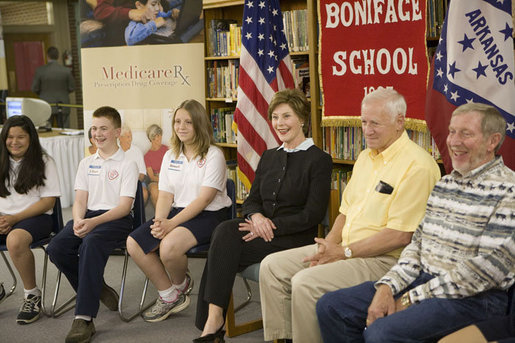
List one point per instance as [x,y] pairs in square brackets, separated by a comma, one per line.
[81,331]
[30,309]
[217,337]
[109,297]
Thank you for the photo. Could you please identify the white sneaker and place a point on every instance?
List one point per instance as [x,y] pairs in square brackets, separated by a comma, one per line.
[162,309]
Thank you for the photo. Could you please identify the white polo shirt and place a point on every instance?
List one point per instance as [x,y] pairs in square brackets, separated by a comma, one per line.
[16,202]
[184,178]
[135,154]
[107,180]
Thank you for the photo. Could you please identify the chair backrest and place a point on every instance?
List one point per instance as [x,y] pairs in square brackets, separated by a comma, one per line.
[231,192]
[200,251]
[57,217]
[138,209]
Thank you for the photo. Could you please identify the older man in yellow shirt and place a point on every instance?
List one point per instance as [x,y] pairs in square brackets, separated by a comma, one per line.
[381,208]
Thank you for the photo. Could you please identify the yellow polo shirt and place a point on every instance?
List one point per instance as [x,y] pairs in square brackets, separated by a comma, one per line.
[409,170]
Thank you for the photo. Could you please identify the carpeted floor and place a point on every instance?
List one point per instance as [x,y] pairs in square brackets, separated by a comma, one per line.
[110,328]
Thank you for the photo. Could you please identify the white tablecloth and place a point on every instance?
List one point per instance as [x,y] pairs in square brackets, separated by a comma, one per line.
[67,152]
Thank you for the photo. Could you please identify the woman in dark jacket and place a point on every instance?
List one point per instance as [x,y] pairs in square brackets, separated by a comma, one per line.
[287,201]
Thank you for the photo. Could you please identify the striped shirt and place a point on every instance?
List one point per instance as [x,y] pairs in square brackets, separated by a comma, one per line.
[466,239]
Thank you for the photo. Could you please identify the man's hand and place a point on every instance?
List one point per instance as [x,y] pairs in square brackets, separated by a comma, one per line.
[83,226]
[327,252]
[382,304]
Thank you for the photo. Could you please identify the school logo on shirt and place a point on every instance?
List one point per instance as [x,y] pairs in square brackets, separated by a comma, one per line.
[175,165]
[94,170]
[113,174]
[201,162]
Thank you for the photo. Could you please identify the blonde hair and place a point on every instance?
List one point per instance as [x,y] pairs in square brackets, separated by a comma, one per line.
[203,136]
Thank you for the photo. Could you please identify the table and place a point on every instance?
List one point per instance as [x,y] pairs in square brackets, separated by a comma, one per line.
[67,151]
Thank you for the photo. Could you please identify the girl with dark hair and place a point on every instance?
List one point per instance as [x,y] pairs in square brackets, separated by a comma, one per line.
[28,188]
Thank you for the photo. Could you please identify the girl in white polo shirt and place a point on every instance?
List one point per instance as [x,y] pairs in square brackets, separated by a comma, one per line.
[29,186]
[192,201]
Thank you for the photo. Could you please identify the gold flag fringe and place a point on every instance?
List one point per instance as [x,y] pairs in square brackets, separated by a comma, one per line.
[353,121]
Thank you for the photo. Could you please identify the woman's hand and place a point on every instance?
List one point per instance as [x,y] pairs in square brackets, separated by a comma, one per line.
[5,224]
[259,226]
[161,227]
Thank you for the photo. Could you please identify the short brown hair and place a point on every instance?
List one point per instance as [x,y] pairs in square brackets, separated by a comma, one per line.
[296,100]
[109,113]
[492,121]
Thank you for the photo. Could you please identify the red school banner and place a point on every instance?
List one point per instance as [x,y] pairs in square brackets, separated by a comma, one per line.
[365,44]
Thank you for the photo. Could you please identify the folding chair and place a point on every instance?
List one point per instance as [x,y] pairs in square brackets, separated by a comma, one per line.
[57,225]
[198,251]
[138,213]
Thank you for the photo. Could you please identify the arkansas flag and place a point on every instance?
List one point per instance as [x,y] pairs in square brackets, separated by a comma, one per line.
[474,62]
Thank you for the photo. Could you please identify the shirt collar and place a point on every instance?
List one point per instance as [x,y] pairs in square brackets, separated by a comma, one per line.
[474,173]
[392,150]
[308,142]
[119,155]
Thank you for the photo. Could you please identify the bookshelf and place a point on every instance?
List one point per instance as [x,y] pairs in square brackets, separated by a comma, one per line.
[222,62]
[306,62]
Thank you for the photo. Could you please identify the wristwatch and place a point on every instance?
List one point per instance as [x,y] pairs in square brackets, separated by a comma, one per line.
[347,252]
[405,300]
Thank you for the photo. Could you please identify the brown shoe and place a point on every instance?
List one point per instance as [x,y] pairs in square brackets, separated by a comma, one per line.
[109,297]
[81,331]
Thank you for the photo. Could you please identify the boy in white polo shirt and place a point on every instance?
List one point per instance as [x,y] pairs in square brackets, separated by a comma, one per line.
[105,187]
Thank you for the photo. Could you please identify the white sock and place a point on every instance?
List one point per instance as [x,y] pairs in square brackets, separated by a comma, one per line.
[169,295]
[34,291]
[182,285]
[86,318]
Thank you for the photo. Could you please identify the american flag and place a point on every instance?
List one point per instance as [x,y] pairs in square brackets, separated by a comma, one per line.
[265,68]
[474,62]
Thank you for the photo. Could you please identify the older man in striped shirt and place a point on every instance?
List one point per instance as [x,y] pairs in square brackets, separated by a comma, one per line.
[461,259]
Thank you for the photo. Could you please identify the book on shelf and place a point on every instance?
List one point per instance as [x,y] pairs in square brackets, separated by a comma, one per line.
[241,192]
[222,78]
[296,29]
[339,180]
[301,72]
[221,121]
[347,142]
[224,37]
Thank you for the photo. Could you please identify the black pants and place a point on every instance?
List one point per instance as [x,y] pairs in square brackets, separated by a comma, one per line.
[228,255]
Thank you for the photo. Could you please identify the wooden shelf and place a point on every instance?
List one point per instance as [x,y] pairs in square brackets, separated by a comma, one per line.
[209,4]
[227,100]
[221,58]
[347,162]
[227,145]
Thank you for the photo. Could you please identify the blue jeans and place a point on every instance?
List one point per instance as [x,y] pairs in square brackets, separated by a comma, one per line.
[342,315]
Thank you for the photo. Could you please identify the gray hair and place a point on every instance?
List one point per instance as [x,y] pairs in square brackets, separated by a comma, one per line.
[492,121]
[125,129]
[394,102]
[153,131]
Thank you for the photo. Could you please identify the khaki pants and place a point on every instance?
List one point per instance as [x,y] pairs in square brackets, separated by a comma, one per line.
[289,289]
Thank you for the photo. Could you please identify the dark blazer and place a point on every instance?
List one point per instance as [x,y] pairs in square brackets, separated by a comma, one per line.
[53,83]
[292,189]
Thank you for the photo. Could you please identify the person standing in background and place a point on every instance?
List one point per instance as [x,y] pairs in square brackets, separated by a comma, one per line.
[53,83]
